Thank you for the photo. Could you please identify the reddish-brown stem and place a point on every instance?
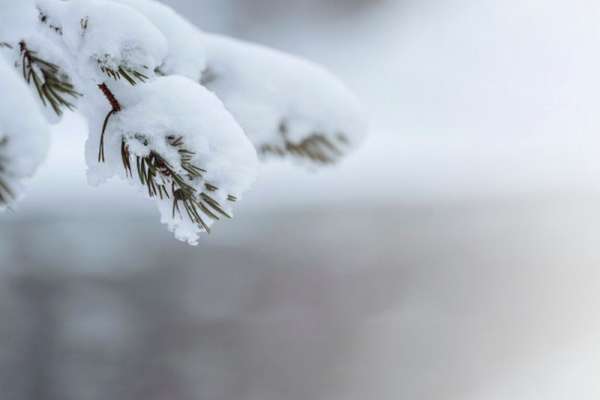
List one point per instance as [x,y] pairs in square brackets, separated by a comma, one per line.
[114,103]
[116,107]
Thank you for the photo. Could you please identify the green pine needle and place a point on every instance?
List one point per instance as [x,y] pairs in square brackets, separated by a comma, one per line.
[7,194]
[132,76]
[164,182]
[51,84]
[316,148]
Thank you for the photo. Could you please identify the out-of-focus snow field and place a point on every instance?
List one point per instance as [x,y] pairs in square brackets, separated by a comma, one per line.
[453,257]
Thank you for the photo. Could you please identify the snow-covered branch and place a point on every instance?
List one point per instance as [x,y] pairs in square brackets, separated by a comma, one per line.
[176,111]
[23,135]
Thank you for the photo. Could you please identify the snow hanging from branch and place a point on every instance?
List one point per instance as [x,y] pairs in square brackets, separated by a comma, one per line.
[180,113]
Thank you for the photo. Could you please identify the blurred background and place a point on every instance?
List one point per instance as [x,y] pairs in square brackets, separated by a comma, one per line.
[454,256]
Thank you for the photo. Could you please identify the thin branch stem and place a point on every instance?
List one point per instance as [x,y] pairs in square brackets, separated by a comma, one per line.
[116,107]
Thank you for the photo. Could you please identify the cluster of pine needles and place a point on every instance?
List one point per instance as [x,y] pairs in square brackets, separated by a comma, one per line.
[51,83]
[6,193]
[316,148]
[132,76]
[164,182]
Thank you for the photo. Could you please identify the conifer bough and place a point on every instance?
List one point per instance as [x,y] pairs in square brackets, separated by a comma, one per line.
[181,113]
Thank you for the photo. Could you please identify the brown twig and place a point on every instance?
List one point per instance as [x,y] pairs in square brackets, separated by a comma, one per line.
[116,107]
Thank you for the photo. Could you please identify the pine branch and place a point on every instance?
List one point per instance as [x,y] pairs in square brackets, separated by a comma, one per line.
[161,179]
[51,83]
[164,182]
[7,194]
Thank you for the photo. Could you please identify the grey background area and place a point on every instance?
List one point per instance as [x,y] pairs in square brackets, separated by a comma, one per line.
[350,306]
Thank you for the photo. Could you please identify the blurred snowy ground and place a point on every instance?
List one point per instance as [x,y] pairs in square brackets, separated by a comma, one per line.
[453,257]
